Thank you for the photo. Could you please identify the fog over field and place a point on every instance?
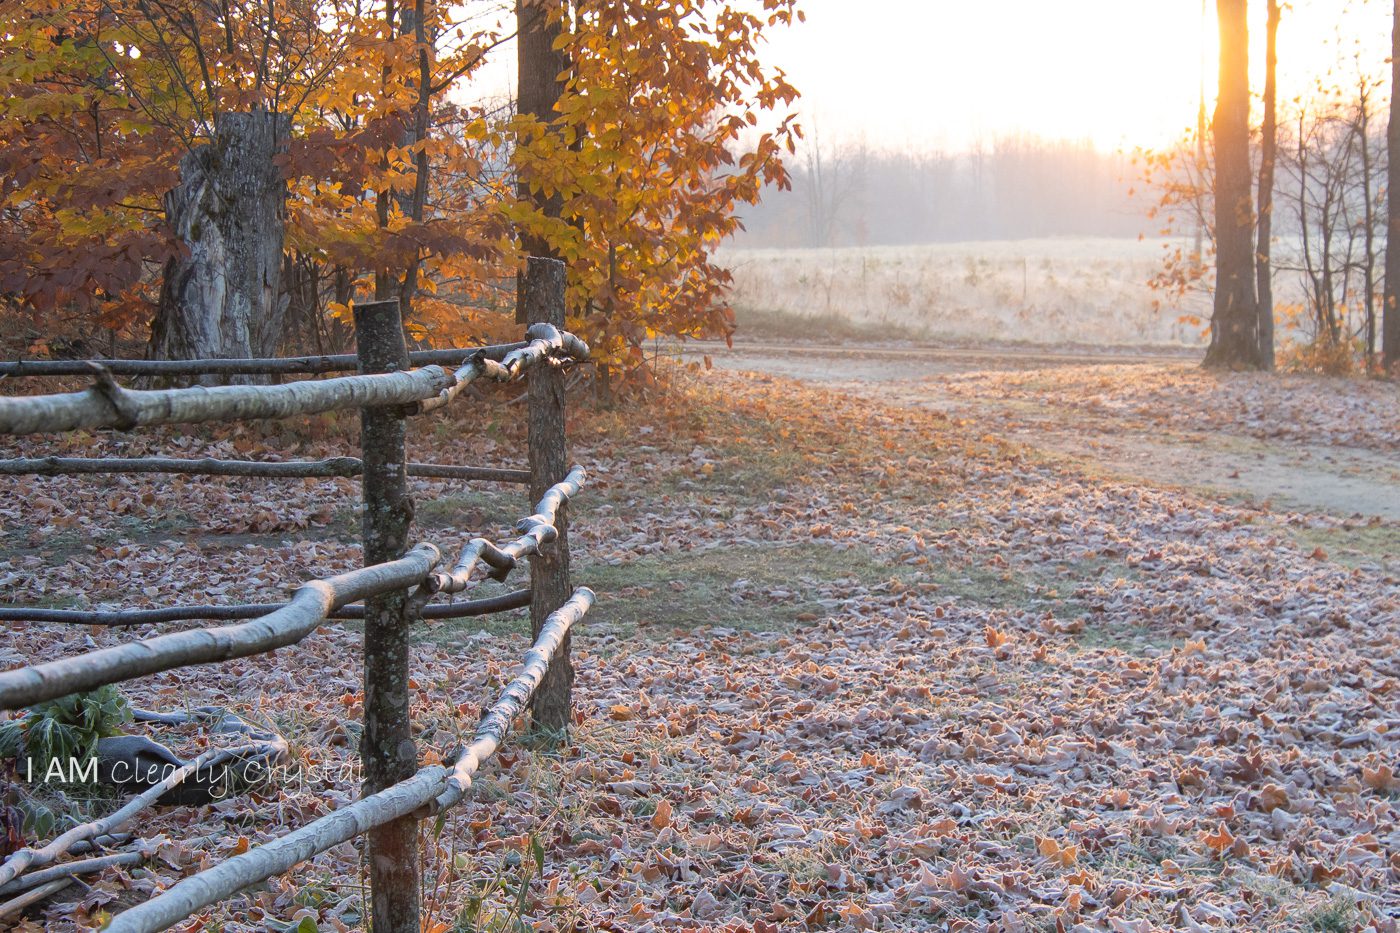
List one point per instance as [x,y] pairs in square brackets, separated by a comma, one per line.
[1055,290]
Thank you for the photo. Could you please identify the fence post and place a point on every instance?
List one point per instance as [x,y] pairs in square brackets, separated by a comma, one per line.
[386,748]
[542,297]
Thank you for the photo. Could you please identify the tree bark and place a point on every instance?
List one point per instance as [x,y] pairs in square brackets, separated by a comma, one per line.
[539,67]
[387,750]
[542,291]
[1390,328]
[1268,155]
[221,297]
[1234,342]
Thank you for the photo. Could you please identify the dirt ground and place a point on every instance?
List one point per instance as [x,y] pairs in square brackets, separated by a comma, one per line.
[1229,460]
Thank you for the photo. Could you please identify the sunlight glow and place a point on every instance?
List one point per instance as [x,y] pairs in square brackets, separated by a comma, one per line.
[1121,73]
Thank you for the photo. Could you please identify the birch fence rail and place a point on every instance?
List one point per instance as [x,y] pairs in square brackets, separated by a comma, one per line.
[397,585]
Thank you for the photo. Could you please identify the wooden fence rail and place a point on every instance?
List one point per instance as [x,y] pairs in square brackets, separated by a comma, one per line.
[486,605]
[289,365]
[269,469]
[428,789]
[394,588]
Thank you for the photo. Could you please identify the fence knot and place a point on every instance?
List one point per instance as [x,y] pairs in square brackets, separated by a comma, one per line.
[123,406]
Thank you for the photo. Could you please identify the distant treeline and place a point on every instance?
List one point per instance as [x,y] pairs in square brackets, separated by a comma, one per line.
[1012,188]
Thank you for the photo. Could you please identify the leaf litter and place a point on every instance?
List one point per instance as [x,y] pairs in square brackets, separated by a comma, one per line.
[1063,702]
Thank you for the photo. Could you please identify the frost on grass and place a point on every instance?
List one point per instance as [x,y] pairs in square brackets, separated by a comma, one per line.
[1076,290]
[1033,700]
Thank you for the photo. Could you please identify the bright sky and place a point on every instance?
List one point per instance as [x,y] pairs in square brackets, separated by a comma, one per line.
[944,73]
[1118,72]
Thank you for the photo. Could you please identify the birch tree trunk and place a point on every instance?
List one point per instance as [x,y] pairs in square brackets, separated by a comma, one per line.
[221,297]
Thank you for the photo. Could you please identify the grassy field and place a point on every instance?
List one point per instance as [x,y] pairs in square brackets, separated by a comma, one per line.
[1046,291]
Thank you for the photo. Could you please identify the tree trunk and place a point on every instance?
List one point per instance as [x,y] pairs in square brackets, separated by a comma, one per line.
[1268,155]
[1234,342]
[387,750]
[1201,156]
[1368,235]
[539,67]
[543,285]
[221,296]
[1390,329]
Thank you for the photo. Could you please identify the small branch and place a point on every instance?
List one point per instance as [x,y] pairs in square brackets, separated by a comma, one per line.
[484,474]
[206,466]
[15,905]
[70,869]
[129,617]
[23,860]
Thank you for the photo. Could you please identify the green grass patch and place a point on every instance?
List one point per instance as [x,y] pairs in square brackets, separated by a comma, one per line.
[749,588]
[474,512]
[1338,915]
[1129,639]
[1369,545]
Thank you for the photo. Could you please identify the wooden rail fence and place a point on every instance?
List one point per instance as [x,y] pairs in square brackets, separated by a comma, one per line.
[397,585]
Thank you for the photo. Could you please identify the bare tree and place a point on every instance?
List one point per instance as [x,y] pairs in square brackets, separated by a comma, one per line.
[832,174]
[1329,196]
[1390,336]
[1268,153]
[1361,127]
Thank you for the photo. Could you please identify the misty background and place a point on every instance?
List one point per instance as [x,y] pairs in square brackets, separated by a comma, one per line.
[1013,187]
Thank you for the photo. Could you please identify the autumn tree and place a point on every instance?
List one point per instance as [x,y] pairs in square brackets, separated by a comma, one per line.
[81,179]
[353,126]
[1234,323]
[650,156]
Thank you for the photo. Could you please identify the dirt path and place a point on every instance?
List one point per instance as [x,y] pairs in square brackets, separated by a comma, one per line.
[1108,435]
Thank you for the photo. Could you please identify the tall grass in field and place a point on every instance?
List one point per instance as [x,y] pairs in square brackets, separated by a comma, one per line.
[1073,290]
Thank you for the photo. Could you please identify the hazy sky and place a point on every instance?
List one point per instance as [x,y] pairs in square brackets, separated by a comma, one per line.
[1119,72]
